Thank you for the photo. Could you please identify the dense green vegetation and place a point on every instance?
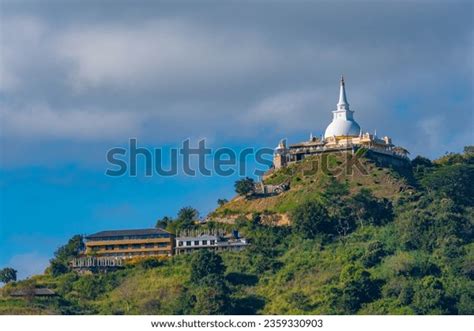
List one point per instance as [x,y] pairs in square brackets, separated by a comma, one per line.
[399,243]
[7,275]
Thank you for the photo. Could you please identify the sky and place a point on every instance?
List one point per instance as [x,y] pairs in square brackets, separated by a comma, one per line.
[78,78]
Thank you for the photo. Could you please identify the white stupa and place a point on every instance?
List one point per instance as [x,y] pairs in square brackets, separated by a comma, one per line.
[343,134]
[343,123]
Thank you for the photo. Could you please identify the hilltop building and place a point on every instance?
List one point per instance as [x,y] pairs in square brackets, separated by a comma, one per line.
[130,243]
[342,134]
[217,242]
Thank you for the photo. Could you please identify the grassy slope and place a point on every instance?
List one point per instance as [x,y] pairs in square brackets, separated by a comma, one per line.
[308,180]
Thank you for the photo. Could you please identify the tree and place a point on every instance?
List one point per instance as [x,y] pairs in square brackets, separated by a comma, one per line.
[185,219]
[163,222]
[421,161]
[62,256]
[421,165]
[245,186]
[73,247]
[7,275]
[264,255]
[210,292]
[205,263]
[311,218]
[429,297]
[221,202]
[356,287]
[58,267]
[188,214]
[374,254]
[212,297]
[469,149]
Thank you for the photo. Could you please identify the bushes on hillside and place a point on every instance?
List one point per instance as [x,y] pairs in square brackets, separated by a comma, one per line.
[428,222]
[455,182]
[367,209]
[89,287]
[374,254]
[310,219]
[205,263]
[355,288]
[430,297]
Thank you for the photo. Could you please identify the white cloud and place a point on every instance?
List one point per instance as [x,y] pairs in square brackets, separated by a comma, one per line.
[19,35]
[167,52]
[284,111]
[41,121]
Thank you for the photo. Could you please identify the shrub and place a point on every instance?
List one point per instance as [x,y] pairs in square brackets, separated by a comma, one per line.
[310,219]
[212,296]
[89,287]
[429,297]
[374,254]
[205,263]
[150,263]
[367,209]
[245,186]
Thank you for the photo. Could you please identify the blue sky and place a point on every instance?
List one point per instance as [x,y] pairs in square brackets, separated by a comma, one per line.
[80,77]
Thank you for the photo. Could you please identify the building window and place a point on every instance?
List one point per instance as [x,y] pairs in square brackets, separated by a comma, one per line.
[204,242]
[188,243]
[136,246]
[196,243]
[180,243]
[213,242]
[149,245]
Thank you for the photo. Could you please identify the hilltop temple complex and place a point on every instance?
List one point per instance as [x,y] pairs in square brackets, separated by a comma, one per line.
[342,134]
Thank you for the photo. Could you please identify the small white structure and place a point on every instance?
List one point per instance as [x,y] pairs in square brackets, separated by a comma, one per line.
[188,244]
[92,262]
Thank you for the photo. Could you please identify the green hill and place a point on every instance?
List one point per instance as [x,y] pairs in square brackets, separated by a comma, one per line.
[310,178]
[394,240]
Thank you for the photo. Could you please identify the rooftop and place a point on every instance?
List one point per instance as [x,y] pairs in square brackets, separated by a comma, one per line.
[33,292]
[134,232]
[200,237]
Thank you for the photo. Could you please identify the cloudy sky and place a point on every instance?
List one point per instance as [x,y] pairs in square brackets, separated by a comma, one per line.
[80,77]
